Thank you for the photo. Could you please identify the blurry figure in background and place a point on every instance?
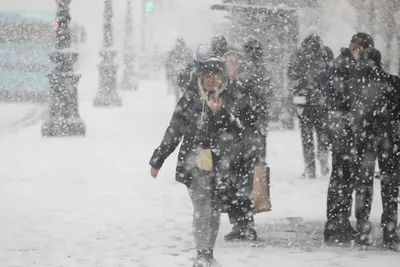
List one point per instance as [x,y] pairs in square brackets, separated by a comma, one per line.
[257,80]
[177,60]
[248,84]
[305,71]
[374,97]
[237,182]
[189,73]
[209,131]
[219,46]
[338,228]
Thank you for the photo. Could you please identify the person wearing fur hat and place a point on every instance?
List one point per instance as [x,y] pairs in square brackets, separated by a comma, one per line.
[209,132]
[339,87]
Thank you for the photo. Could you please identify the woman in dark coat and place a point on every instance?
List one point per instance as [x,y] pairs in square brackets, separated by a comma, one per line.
[208,131]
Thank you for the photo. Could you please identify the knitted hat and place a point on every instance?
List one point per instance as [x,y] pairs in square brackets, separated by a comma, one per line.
[363,39]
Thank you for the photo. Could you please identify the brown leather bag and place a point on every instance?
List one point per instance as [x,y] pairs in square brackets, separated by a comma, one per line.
[261,194]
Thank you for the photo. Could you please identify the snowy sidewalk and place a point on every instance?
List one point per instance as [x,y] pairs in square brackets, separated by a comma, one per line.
[90,202]
[14,116]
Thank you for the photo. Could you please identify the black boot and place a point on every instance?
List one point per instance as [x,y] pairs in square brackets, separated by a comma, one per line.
[339,231]
[242,233]
[363,236]
[213,262]
[391,240]
[203,259]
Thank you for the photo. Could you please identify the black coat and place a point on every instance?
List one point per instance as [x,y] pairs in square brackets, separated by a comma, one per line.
[195,123]
[304,72]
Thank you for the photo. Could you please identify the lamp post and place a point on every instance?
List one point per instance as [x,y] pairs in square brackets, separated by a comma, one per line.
[130,79]
[64,119]
[107,94]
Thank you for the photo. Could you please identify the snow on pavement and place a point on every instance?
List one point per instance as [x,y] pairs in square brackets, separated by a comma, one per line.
[91,202]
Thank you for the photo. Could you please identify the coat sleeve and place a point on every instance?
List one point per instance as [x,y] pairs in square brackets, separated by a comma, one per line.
[173,135]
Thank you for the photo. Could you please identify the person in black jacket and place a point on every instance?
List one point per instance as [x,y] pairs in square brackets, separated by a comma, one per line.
[372,98]
[255,78]
[219,46]
[237,196]
[305,70]
[338,87]
[176,61]
[209,132]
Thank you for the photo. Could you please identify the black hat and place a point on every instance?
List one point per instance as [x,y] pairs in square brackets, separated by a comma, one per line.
[212,65]
[327,54]
[219,45]
[363,39]
[373,55]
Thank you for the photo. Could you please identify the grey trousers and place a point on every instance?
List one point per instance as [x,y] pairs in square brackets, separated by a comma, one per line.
[206,216]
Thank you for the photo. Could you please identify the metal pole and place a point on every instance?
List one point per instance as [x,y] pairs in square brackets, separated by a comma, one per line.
[130,79]
[64,119]
[107,95]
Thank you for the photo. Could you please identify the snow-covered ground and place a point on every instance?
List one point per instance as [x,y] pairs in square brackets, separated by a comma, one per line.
[91,202]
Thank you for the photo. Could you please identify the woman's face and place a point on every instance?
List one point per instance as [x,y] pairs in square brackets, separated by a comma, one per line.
[356,50]
[211,81]
[232,65]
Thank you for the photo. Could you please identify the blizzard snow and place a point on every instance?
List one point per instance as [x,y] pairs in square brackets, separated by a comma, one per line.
[91,201]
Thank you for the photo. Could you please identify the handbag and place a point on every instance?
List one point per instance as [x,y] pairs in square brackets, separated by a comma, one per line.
[261,192]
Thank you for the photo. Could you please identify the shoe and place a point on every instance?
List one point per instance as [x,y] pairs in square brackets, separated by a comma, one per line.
[325,170]
[249,234]
[203,259]
[339,232]
[363,236]
[201,262]
[309,175]
[391,240]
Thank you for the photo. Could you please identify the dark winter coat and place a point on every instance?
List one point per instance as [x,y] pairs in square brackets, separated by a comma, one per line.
[177,60]
[337,90]
[305,70]
[258,90]
[199,128]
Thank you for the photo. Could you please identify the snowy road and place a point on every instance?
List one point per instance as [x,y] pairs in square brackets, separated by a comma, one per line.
[91,202]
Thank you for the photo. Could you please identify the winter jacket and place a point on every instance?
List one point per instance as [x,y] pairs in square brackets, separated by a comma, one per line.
[258,84]
[177,60]
[305,70]
[207,137]
[337,90]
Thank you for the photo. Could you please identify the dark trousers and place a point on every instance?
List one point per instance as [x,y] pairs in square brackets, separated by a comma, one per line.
[341,184]
[372,146]
[310,121]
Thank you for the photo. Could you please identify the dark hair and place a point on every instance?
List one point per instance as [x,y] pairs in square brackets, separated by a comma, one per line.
[254,48]
[363,39]
[373,54]
[219,46]
[327,54]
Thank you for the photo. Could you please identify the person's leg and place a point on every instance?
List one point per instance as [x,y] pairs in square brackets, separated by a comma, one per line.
[322,144]
[241,213]
[339,200]
[366,149]
[307,139]
[206,217]
[389,169]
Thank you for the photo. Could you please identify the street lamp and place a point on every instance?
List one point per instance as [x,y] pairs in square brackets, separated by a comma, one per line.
[129,80]
[64,119]
[107,94]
